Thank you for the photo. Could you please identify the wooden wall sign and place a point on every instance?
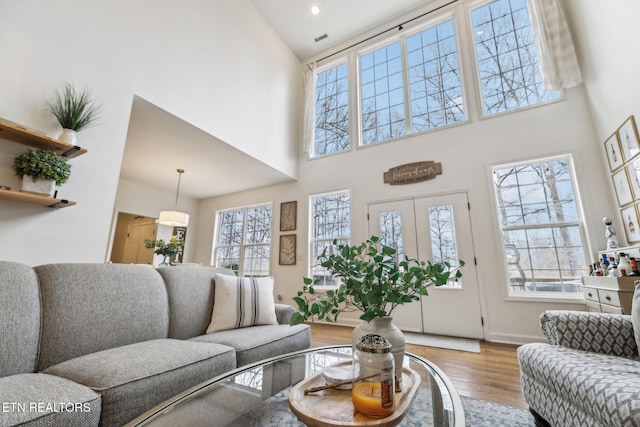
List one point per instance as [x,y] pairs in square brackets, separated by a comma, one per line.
[412,172]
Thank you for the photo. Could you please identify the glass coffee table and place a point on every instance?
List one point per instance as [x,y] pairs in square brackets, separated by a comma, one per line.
[257,394]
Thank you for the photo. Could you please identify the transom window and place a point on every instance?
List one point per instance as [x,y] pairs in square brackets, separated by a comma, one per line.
[413,83]
[330,218]
[506,57]
[540,222]
[243,241]
[332,111]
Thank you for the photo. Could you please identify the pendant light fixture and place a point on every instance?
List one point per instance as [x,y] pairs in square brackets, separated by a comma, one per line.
[175,218]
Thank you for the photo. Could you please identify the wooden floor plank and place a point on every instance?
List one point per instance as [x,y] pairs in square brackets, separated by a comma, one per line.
[493,374]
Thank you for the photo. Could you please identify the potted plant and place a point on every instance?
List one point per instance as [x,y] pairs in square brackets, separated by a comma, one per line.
[41,170]
[164,248]
[372,279]
[75,110]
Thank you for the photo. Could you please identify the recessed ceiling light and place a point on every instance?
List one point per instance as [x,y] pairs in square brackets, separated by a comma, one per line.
[315,10]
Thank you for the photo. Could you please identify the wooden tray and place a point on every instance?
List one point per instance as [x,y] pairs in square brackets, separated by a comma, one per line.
[332,407]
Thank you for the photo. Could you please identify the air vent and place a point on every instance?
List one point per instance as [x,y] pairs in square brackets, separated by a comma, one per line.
[322,37]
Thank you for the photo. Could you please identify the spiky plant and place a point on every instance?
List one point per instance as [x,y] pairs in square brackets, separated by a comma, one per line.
[74,109]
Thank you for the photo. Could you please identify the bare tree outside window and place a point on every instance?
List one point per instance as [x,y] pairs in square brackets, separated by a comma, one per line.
[382,94]
[330,219]
[510,76]
[244,240]
[434,78]
[541,226]
[332,111]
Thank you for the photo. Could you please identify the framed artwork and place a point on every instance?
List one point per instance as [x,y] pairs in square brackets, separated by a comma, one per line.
[288,214]
[628,134]
[614,155]
[630,222]
[633,171]
[287,249]
[623,190]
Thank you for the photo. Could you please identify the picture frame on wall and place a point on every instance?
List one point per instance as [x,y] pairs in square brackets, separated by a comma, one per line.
[628,134]
[614,155]
[622,187]
[630,221]
[287,254]
[288,215]
[633,171]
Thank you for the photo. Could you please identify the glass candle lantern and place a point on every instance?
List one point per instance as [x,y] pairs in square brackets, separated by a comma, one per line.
[373,377]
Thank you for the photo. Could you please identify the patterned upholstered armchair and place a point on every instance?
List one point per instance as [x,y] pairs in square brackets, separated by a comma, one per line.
[588,374]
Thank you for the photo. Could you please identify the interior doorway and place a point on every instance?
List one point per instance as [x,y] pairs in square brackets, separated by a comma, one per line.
[129,240]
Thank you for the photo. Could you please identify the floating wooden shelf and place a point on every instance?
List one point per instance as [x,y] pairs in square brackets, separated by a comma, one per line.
[34,199]
[22,135]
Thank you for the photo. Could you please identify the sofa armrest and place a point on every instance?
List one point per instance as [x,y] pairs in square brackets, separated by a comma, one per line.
[595,332]
[284,313]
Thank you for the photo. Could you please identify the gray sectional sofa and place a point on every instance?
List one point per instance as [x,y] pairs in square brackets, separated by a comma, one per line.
[99,344]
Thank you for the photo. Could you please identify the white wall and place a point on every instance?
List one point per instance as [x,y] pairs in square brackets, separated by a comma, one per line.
[606,39]
[466,152]
[214,64]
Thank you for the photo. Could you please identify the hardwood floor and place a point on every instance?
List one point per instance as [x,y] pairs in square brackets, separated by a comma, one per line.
[492,375]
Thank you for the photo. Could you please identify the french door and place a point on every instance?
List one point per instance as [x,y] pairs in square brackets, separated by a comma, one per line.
[435,228]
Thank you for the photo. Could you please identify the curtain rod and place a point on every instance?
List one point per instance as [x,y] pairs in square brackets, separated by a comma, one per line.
[399,27]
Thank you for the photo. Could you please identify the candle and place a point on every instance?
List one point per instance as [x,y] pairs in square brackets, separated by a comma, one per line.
[368,398]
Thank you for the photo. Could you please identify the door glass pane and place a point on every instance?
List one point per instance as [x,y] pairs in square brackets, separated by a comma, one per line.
[443,238]
[391,231]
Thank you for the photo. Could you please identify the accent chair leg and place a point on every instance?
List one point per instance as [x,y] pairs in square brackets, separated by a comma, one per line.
[540,422]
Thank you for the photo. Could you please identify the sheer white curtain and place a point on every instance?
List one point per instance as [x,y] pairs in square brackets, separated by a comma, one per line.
[556,53]
[309,121]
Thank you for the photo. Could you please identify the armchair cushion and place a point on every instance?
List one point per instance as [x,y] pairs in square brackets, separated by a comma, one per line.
[635,313]
[603,333]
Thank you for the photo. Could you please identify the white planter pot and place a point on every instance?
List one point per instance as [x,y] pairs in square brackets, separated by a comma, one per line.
[69,136]
[384,327]
[44,187]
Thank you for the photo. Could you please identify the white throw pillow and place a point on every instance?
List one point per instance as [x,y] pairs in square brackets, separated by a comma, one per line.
[239,302]
[635,313]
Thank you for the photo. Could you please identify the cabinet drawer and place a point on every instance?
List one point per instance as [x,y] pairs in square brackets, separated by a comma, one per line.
[611,309]
[609,297]
[593,306]
[590,294]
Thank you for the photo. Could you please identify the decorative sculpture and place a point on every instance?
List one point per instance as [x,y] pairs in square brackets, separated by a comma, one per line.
[610,233]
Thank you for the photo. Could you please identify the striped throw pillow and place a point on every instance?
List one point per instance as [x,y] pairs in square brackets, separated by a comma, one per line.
[239,302]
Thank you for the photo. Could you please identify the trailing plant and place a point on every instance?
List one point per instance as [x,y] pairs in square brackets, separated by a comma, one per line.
[373,280]
[42,164]
[162,247]
[74,109]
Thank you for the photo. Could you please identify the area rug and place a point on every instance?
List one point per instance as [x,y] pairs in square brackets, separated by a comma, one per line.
[463,344]
[275,412]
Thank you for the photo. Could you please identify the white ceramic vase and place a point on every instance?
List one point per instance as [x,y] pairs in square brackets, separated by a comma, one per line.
[69,136]
[384,327]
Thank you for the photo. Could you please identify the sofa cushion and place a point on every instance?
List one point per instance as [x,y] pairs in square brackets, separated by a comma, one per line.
[134,378]
[19,318]
[47,400]
[190,292]
[240,302]
[605,388]
[261,342]
[92,307]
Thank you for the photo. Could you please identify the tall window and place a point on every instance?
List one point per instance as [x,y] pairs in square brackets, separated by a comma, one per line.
[332,111]
[507,63]
[541,226]
[330,218]
[382,94]
[434,78]
[244,240]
